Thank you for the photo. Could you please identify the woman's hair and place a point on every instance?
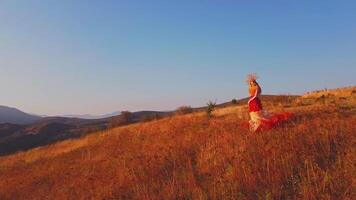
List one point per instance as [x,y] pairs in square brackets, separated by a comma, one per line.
[255,83]
[259,89]
[251,78]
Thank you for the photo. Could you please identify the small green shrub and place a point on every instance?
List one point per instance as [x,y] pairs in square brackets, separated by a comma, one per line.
[210,108]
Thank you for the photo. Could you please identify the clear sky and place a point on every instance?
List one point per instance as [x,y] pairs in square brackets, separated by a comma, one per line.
[79,57]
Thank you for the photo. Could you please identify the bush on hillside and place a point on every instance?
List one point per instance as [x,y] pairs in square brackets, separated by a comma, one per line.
[184,110]
[123,119]
[210,108]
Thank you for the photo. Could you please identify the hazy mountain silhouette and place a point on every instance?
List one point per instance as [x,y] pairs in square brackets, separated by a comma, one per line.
[88,116]
[15,116]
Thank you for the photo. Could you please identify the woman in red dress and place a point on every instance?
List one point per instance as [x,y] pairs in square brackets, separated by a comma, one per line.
[259,118]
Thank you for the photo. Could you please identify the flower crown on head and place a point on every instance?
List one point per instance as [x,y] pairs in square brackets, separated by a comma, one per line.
[251,77]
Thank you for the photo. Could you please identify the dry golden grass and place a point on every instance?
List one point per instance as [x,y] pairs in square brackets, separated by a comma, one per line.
[339,92]
[193,157]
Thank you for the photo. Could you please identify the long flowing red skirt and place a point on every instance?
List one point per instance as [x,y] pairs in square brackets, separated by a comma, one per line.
[260,120]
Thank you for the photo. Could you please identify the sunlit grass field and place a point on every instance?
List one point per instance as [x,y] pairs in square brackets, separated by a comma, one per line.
[312,156]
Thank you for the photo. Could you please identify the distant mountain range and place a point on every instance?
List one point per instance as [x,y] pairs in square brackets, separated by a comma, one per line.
[15,116]
[22,131]
[88,116]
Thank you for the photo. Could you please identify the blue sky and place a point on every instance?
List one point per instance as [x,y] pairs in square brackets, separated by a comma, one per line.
[65,57]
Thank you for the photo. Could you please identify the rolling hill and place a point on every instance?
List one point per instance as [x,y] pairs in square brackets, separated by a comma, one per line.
[15,116]
[312,156]
[48,130]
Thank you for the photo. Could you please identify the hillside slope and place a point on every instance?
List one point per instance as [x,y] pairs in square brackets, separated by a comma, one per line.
[192,157]
[48,130]
[338,92]
[15,116]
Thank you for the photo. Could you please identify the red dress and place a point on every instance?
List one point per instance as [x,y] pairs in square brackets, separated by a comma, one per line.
[254,102]
[255,105]
[259,119]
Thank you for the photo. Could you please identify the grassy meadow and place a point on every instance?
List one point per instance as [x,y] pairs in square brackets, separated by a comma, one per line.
[190,156]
